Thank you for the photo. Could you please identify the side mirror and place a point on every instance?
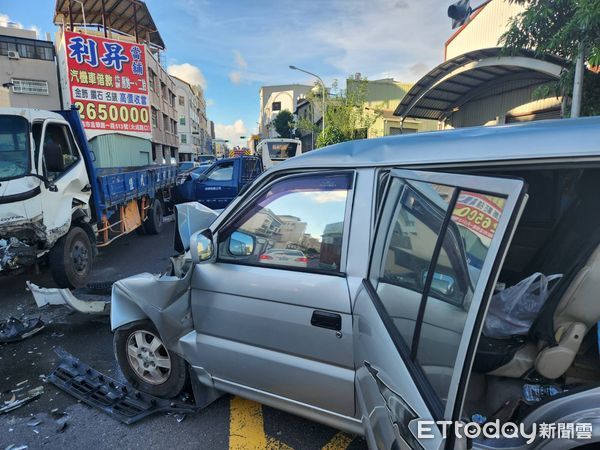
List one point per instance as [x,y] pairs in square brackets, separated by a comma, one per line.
[241,244]
[202,177]
[201,246]
[53,157]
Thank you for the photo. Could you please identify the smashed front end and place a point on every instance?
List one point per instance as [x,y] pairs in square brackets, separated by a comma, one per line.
[20,241]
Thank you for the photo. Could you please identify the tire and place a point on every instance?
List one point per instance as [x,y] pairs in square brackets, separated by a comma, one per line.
[71,259]
[157,380]
[153,223]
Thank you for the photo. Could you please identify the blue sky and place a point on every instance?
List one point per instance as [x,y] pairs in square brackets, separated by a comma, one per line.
[234,47]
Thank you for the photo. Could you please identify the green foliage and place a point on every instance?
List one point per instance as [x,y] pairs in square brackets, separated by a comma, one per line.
[331,135]
[346,117]
[284,124]
[558,27]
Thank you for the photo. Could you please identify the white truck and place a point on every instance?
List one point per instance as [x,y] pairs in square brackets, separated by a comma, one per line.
[55,204]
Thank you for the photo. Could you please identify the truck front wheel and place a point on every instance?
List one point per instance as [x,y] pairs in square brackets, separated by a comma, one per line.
[153,223]
[71,259]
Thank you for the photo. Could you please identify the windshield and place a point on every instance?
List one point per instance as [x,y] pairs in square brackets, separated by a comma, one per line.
[14,147]
[281,150]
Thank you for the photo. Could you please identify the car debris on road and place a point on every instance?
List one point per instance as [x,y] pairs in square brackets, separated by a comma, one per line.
[120,401]
[13,329]
[16,401]
[55,296]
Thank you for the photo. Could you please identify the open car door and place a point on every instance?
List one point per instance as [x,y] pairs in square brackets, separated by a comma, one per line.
[439,245]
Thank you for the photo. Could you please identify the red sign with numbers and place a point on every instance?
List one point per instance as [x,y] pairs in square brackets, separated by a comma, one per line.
[108,83]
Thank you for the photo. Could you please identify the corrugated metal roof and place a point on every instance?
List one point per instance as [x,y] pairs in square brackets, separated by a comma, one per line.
[545,139]
[444,88]
[121,14]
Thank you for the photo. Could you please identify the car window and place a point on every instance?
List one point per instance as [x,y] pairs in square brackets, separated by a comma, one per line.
[430,315]
[60,135]
[466,242]
[297,223]
[223,172]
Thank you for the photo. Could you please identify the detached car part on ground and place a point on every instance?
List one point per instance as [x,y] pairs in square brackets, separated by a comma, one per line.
[378,327]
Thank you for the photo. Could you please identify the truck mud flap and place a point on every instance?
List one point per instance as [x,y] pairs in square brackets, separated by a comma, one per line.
[118,400]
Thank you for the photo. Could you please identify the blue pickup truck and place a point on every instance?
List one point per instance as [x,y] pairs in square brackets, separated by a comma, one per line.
[217,185]
[54,202]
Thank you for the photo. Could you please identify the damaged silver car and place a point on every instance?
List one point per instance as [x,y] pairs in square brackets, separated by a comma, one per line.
[370,317]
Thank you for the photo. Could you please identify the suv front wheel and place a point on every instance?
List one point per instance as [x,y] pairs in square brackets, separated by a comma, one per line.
[146,362]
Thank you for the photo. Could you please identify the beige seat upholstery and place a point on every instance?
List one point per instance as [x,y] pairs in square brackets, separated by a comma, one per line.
[577,312]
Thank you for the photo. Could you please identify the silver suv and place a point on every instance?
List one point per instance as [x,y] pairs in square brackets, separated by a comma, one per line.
[350,286]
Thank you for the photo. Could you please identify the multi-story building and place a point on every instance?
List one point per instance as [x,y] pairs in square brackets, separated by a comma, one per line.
[188,106]
[28,71]
[382,97]
[309,119]
[273,100]
[163,112]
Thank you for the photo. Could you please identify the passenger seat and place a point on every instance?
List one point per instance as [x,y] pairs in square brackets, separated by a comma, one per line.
[577,312]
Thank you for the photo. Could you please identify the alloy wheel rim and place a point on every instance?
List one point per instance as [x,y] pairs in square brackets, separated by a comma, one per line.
[148,357]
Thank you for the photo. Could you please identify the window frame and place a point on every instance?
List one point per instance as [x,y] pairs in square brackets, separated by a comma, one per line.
[23,82]
[251,199]
[220,166]
[29,143]
[484,286]
[71,142]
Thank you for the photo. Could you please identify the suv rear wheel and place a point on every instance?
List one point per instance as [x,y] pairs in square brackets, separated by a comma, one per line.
[146,362]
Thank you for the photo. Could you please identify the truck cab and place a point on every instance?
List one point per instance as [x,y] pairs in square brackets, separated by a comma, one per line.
[44,187]
[218,185]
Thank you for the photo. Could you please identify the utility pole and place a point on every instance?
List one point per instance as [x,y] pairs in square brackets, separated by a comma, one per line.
[322,84]
[578,81]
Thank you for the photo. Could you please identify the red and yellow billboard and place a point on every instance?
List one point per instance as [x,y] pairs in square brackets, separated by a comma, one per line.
[479,213]
[108,83]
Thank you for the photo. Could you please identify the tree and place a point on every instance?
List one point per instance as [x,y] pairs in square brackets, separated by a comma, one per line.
[284,124]
[562,28]
[346,117]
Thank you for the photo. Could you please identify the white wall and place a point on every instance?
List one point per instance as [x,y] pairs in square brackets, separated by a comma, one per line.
[485,29]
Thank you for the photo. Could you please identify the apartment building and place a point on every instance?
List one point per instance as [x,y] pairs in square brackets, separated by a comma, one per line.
[163,111]
[28,72]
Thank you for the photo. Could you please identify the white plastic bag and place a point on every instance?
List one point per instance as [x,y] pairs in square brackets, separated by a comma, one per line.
[513,310]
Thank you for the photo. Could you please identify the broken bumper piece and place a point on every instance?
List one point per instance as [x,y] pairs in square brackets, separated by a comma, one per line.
[55,296]
[119,401]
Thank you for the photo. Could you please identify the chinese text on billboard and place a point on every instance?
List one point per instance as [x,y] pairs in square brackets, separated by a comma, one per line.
[108,83]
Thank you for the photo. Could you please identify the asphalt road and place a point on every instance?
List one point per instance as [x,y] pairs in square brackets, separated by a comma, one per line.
[227,423]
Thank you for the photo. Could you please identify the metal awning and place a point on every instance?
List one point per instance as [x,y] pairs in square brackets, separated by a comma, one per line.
[469,76]
[130,17]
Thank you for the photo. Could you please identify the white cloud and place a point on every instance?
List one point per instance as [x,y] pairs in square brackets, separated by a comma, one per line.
[5,22]
[232,132]
[189,73]
[239,60]
[235,76]
[240,74]
[342,37]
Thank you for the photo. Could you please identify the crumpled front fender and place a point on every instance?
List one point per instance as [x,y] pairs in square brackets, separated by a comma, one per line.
[163,299]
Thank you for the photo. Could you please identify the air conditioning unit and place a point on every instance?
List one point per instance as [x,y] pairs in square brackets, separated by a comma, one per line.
[12,54]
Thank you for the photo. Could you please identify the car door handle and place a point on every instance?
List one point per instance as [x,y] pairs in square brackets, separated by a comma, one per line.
[324,319]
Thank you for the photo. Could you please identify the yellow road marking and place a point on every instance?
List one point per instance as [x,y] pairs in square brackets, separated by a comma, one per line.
[247,430]
[274,444]
[246,427]
[339,442]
